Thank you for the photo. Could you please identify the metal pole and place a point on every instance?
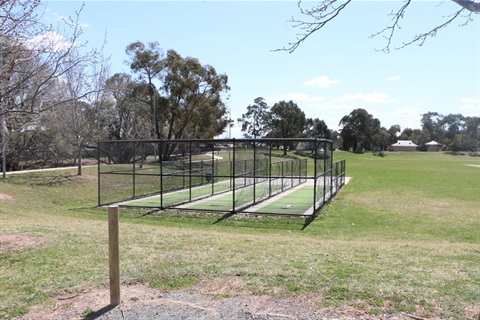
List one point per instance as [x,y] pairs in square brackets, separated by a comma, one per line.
[324,172]
[270,170]
[282,176]
[161,174]
[154,128]
[190,171]
[230,164]
[254,171]
[233,175]
[331,169]
[315,177]
[212,172]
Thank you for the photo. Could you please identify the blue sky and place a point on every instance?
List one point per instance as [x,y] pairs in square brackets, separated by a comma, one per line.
[334,72]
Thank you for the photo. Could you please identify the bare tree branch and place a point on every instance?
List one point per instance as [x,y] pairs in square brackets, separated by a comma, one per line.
[397,16]
[420,39]
[320,15]
[36,58]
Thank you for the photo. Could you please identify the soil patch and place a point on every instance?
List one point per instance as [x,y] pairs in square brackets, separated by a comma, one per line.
[14,242]
[4,196]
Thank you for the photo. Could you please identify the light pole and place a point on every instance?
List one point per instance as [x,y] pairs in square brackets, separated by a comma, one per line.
[229,130]
[229,122]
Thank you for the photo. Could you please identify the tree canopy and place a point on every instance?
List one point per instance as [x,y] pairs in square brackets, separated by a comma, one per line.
[190,99]
[287,120]
[316,128]
[194,98]
[358,130]
[255,121]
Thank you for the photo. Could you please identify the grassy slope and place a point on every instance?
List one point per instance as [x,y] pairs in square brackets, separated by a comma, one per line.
[402,236]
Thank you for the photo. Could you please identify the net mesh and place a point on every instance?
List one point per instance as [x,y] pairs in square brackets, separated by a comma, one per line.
[219,175]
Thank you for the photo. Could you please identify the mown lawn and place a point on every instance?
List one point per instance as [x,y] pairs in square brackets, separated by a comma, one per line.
[401,237]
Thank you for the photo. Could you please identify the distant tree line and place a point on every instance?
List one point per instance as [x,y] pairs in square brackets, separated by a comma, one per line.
[359,130]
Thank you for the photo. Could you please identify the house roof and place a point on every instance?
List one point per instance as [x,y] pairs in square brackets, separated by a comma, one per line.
[433,143]
[404,143]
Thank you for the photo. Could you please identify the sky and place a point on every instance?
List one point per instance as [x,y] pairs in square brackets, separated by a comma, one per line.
[336,70]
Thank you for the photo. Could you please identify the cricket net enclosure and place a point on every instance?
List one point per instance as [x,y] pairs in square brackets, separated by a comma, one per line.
[255,176]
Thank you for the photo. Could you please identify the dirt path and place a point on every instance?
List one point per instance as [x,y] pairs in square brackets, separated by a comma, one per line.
[48,169]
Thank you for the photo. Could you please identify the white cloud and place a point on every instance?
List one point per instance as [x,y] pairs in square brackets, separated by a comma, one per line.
[295,97]
[374,97]
[55,16]
[50,41]
[470,105]
[374,113]
[408,112]
[334,106]
[321,82]
[393,78]
[470,100]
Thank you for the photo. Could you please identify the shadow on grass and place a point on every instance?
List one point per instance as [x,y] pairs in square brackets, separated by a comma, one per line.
[226,219]
[307,222]
[225,216]
[266,222]
[44,179]
[149,212]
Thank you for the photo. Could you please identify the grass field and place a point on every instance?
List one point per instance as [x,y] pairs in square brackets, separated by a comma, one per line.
[402,236]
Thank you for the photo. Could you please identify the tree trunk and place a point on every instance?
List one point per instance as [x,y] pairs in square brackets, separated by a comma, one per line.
[79,165]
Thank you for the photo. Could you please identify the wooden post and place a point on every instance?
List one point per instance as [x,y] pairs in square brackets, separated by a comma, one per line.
[113,255]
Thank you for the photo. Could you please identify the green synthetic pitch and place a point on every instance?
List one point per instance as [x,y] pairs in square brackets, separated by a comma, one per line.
[296,202]
[242,197]
[292,203]
[473,165]
[175,197]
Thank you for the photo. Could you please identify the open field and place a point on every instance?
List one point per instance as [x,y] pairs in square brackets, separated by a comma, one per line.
[402,236]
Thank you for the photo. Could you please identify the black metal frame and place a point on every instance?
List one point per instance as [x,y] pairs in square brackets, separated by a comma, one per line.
[121,161]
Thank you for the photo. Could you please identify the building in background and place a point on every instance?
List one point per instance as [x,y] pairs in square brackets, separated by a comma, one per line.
[404,145]
[433,146]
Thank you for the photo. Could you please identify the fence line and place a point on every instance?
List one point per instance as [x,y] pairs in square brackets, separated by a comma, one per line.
[249,171]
